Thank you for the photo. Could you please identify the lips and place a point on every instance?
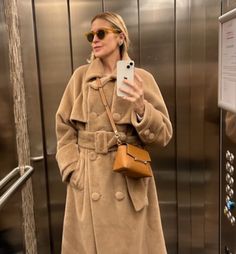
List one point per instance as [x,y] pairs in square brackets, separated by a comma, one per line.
[96,48]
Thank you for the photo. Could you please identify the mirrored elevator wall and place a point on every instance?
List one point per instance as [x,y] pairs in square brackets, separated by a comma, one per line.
[177,41]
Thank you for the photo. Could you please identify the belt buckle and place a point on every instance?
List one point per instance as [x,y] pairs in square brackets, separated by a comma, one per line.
[101,145]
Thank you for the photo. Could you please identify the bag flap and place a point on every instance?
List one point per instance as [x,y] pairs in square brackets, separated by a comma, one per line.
[138,153]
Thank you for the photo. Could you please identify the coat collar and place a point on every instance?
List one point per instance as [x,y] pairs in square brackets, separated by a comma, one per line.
[96,69]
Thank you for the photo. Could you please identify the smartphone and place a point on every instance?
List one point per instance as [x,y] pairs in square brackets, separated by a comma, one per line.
[125,70]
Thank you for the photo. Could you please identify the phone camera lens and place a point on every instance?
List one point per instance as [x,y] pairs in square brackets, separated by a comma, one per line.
[127,66]
[131,63]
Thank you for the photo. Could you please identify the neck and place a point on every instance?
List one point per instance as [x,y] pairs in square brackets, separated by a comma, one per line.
[109,63]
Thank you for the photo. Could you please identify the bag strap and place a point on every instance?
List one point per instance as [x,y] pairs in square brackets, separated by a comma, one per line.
[108,110]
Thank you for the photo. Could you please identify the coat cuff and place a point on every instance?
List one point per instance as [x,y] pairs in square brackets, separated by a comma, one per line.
[148,128]
[67,158]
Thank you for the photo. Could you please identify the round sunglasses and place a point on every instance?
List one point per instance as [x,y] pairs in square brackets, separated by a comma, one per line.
[101,33]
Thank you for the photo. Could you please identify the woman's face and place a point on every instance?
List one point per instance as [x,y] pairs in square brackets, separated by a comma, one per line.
[109,45]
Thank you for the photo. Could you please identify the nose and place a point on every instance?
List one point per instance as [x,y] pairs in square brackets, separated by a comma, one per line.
[95,38]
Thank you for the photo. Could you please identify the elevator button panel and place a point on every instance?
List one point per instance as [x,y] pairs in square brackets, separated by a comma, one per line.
[227,250]
[229,208]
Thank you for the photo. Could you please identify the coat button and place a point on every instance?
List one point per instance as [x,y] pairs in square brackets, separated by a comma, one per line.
[119,195]
[93,156]
[116,116]
[93,115]
[95,196]
[147,132]
[151,136]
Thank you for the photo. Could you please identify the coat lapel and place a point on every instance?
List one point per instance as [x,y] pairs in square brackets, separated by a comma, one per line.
[120,108]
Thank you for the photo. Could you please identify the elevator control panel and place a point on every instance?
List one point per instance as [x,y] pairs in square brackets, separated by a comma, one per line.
[227,250]
[229,190]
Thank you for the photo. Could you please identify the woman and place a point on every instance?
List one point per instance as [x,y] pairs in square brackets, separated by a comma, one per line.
[106,212]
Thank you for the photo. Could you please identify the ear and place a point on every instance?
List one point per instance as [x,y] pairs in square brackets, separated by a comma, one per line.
[121,36]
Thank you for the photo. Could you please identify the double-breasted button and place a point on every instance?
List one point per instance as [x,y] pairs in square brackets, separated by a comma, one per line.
[119,195]
[151,136]
[93,156]
[147,132]
[116,117]
[93,115]
[95,196]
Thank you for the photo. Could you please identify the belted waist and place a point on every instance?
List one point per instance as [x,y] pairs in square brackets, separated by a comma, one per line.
[103,141]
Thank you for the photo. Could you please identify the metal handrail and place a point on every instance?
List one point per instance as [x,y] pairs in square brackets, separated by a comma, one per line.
[8,177]
[14,187]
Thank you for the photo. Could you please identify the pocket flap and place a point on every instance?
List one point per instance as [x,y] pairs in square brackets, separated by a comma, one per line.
[138,153]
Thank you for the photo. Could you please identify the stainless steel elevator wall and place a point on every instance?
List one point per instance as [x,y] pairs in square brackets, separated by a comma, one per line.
[176,40]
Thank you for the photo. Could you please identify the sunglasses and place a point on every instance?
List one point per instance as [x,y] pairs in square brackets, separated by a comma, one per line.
[101,33]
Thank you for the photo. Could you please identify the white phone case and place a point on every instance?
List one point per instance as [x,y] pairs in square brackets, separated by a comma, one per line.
[125,70]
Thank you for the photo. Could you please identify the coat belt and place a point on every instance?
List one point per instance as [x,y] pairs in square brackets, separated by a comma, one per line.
[103,141]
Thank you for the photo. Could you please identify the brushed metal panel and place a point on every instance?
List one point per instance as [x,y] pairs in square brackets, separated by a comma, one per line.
[183,59]
[33,104]
[228,5]
[211,130]
[55,68]
[129,12]
[197,104]
[54,59]
[81,13]
[157,55]
[11,235]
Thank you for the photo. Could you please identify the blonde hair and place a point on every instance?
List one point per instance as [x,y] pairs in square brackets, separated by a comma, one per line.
[118,23]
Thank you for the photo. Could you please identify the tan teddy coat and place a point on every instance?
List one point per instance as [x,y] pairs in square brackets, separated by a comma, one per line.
[107,213]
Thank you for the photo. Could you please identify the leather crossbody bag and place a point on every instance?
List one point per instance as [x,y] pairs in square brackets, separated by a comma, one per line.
[130,160]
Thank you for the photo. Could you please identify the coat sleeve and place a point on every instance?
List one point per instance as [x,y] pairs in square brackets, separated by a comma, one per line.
[155,126]
[67,148]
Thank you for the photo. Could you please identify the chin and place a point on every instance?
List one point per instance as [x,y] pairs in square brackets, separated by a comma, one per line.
[98,55]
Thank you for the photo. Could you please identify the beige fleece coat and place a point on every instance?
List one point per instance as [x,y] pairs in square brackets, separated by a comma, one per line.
[107,213]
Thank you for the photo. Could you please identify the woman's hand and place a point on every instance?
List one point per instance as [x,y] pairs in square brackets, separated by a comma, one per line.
[134,93]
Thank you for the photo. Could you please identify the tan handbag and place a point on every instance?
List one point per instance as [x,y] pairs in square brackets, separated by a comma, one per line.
[130,160]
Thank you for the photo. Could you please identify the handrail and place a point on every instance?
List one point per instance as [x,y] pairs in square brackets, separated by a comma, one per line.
[8,177]
[14,187]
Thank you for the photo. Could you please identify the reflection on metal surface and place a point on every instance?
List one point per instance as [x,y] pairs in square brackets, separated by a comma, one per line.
[37,158]
[157,45]
[129,12]
[81,13]
[230,131]
[7,194]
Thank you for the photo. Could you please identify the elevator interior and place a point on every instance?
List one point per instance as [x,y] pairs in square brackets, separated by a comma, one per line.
[177,41]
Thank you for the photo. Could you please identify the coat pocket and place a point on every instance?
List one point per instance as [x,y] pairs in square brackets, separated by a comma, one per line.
[77,177]
[138,189]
